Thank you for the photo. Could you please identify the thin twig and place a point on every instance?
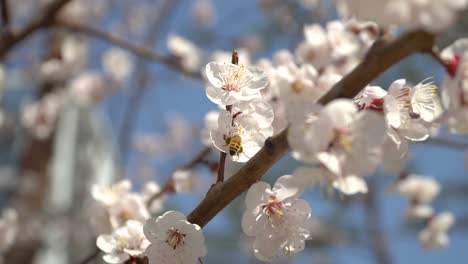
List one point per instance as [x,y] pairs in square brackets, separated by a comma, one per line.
[198,159]
[384,54]
[138,50]
[43,19]
[5,13]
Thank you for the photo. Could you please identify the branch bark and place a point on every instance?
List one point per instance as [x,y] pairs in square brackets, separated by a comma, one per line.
[138,50]
[381,56]
[43,19]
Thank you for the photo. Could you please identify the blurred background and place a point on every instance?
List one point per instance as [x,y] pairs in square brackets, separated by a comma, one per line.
[145,119]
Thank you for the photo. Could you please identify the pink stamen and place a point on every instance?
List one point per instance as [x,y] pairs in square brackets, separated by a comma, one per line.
[273,207]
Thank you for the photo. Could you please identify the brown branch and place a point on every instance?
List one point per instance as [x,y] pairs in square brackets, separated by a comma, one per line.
[5,14]
[198,159]
[383,54]
[43,19]
[138,50]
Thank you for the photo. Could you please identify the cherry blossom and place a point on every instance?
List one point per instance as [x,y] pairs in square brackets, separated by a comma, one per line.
[187,52]
[429,15]
[229,83]
[371,97]
[313,176]
[211,124]
[346,146]
[149,190]
[408,109]
[124,242]
[242,135]
[435,234]
[277,218]
[8,230]
[118,64]
[455,86]
[88,88]
[108,195]
[174,240]
[297,88]
[418,188]
[40,117]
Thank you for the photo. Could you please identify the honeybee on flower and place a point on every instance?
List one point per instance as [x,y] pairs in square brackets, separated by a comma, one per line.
[242,132]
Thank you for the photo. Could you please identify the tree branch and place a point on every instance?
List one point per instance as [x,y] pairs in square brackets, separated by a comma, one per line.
[383,54]
[5,13]
[138,50]
[43,19]
[198,159]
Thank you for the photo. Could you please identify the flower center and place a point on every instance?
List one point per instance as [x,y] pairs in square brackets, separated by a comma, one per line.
[175,238]
[342,139]
[273,207]
[234,80]
[297,86]
[125,215]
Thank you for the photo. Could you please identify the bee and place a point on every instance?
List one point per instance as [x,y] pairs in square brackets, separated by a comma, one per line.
[234,144]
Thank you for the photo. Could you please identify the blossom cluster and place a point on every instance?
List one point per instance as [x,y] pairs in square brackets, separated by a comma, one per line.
[420,192]
[119,215]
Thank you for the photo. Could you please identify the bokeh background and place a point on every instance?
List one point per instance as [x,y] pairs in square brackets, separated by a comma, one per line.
[122,136]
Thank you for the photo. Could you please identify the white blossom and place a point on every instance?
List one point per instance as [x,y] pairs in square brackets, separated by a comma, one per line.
[371,97]
[419,211]
[88,88]
[240,134]
[118,64]
[124,242]
[277,219]
[418,188]
[229,83]
[149,190]
[455,86]
[186,51]
[40,117]
[349,143]
[408,109]
[109,195]
[182,180]
[429,15]
[315,49]
[128,207]
[174,240]
[204,12]
[222,56]
[435,234]
[8,229]
[211,124]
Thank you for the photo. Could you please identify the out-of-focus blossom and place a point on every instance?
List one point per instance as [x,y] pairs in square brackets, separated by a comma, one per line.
[83,11]
[182,180]
[124,243]
[40,117]
[108,195]
[149,190]
[88,88]
[455,86]
[435,234]
[418,188]
[433,16]
[346,146]
[129,207]
[118,64]
[277,218]
[186,52]
[8,230]
[174,240]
